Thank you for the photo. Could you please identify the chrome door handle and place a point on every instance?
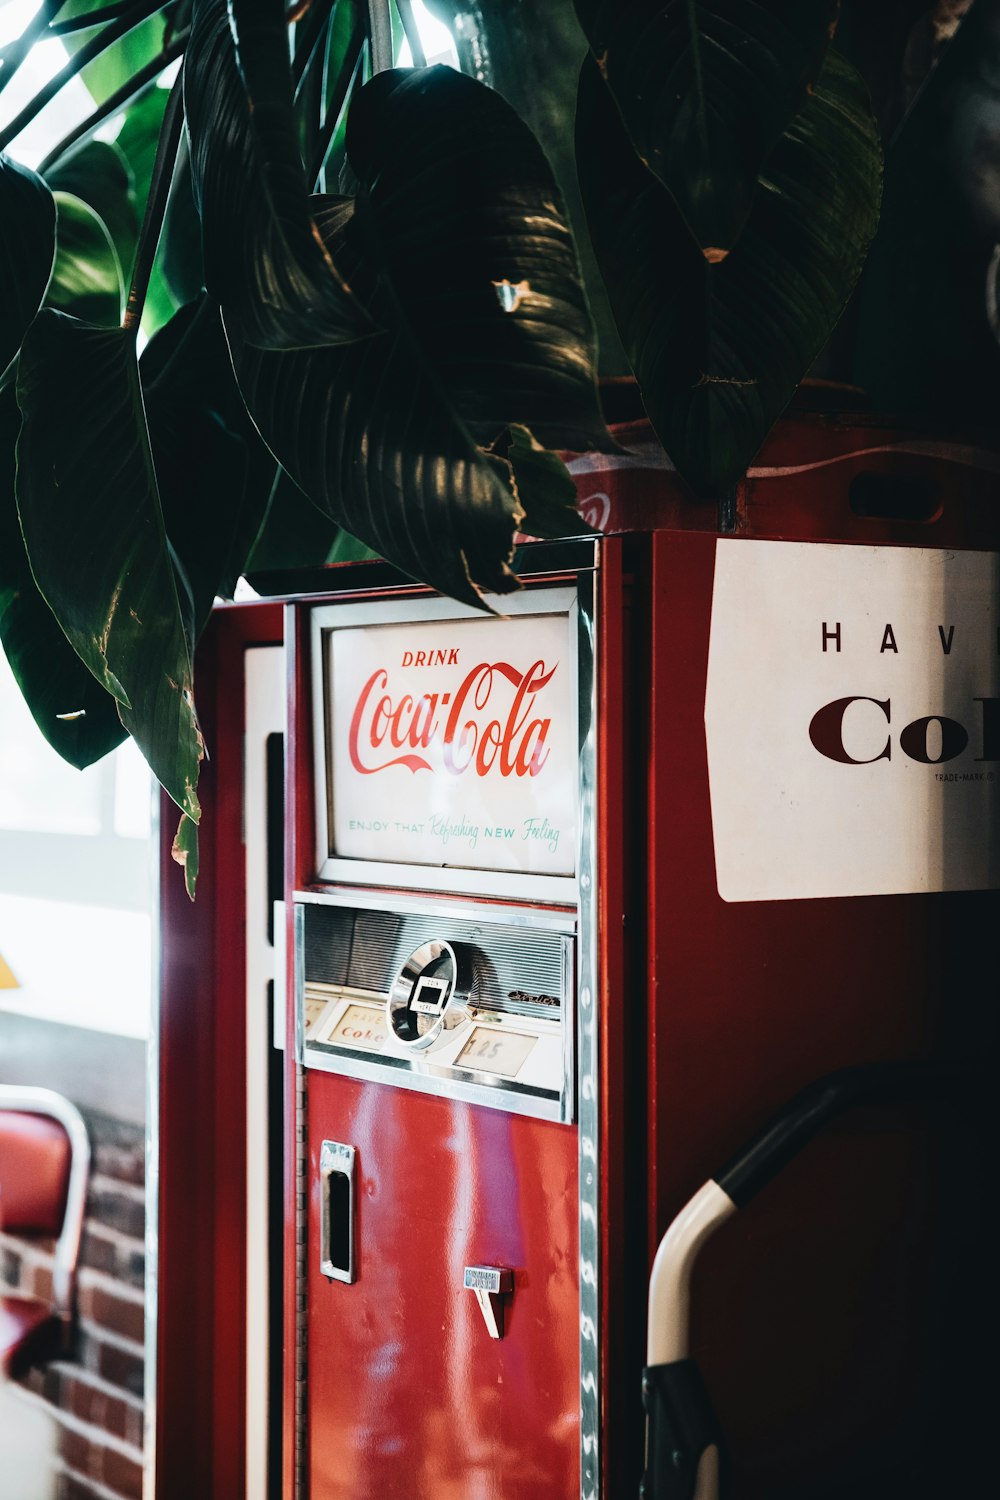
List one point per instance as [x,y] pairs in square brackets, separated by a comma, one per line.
[337,1236]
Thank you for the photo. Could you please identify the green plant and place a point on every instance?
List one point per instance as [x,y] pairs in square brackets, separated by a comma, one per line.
[367,324]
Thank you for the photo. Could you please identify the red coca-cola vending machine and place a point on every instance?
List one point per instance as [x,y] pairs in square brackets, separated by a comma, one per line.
[574,899]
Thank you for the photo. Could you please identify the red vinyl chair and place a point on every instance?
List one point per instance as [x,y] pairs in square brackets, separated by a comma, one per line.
[44,1167]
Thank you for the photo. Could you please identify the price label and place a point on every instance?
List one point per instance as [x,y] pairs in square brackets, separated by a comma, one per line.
[490,1051]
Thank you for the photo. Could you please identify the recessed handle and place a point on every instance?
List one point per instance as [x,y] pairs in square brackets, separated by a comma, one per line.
[337,1249]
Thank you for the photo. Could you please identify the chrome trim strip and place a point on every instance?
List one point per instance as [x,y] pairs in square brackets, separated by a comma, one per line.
[500,1095]
[150,1287]
[569,1101]
[460,880]
[507,916]
[299,918]
[588,1003]
[542,599]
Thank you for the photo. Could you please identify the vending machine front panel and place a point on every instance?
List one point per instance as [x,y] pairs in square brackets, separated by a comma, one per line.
[446,1027]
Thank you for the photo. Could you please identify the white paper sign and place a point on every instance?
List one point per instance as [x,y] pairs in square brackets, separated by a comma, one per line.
[852,718]
[454,743]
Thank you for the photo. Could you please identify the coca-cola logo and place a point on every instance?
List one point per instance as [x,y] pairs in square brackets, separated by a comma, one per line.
[481,727]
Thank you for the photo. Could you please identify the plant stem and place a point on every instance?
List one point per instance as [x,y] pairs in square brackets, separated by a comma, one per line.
[308,35]
[412,34]
[335,108]
[95,17]
[156,204]
[138,84]
[380,34]
[134,16]
[18,50]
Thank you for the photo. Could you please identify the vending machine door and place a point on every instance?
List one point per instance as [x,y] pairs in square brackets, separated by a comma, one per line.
[443,934]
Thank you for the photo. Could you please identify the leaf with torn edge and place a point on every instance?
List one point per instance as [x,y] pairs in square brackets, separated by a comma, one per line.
[90,515]
[718,350]
[184,850]
[544,487]
[264,260]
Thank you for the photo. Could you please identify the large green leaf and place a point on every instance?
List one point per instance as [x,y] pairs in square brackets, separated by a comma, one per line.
[99,174]
[719,349]
[364,432]
[123,59]
[546,488]
[91,520]
[86,277]
[27,248]
[706,88]
[530,51]
[72,710]
[461,215]
[294,533]
[923,343]
[213,471]
[460,248]
[264,260]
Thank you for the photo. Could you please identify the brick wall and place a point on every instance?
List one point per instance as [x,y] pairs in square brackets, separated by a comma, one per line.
[95,1397]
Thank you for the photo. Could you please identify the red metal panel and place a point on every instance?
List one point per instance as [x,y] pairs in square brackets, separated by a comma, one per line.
[200,1391]
[799,485]
[408,1395]
[622,663]
[819,1312]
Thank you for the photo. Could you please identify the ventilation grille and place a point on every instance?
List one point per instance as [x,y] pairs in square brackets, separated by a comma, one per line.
[365,950]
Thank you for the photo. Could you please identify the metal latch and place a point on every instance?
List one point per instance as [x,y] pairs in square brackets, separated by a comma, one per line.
[490,1284]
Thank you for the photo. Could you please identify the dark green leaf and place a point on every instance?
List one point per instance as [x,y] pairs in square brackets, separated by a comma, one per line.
[86,278]
[459,246]
[463,219]
[213,471]
[27,247]
[160,304]
[122,59]
[364,432]
[545,488]
[72,710]
[706,88]
[99,175]
[719,349]
[180,244]
[264,260]
[924,346]
[530,51]
[91,520]
[347,548]
[294,533]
